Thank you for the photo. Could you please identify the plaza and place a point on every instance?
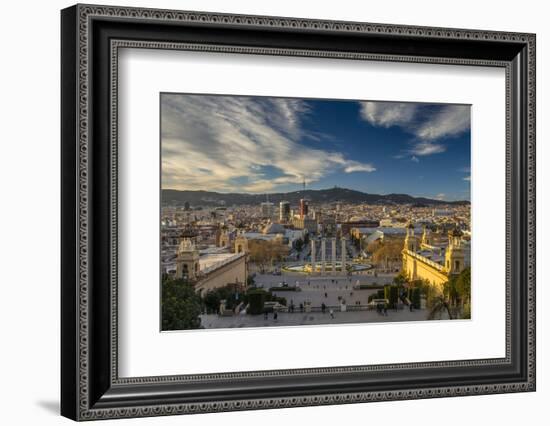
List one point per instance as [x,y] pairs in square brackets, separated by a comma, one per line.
[315,291]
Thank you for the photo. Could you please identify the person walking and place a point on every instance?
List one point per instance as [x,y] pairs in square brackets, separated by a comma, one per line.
[331,313]
[275,316]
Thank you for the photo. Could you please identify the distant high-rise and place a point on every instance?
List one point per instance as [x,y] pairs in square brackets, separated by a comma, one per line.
[267,209]
[284,211]
[303,208]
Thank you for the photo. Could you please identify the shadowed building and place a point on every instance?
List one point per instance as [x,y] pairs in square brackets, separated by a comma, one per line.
[305,223]
[284,211]
[267,210]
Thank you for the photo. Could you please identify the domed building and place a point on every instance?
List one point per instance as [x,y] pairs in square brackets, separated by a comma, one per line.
[274,228]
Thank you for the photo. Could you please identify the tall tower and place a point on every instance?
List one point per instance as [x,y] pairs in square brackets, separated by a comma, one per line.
[266,210]
[343,242]
[410,239]
[426,237]
[313,254]
[284,211]
[323,253]
[225,239]
[187,260]
[454,255]
[241,244]
[303,208]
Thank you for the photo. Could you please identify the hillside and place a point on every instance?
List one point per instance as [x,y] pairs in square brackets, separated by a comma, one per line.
[343,195]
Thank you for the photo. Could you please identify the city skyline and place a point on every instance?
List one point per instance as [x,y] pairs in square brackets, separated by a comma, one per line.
[267,145]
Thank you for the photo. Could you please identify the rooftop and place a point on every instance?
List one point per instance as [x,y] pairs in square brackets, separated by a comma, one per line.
[212,261]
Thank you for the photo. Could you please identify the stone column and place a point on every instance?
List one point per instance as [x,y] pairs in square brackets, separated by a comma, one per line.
[343,240]
[313,253]
[323,255]
[333,241]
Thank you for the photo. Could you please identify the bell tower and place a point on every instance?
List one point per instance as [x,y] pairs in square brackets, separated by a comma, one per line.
[225,239]
[426,237]
[187,261]
[410,239]
[454,255]
[241,244]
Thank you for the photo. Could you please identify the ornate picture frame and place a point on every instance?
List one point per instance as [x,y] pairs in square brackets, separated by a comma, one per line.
[91,37]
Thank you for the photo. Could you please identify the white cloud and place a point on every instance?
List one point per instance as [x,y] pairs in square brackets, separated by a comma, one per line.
[387,114]
[427,148]
[354,166]
[415,159]
[226,143]
[428,123]
[451,120]
[440,196]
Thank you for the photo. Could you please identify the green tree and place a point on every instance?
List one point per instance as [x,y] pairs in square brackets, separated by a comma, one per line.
[415,297]
[454,299]
[400,279]
[391,292]
[256,299]
[181,306]
[211,301]
[457,292]
[229,293]
[463,286]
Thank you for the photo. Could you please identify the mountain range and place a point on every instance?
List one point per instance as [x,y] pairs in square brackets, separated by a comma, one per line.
[336,194]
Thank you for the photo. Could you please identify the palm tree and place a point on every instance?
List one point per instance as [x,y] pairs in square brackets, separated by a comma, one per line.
[439,305]
[454,298]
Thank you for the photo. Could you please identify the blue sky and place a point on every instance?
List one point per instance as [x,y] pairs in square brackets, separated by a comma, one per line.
[265,145]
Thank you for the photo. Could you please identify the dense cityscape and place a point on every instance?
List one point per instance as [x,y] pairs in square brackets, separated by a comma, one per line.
[295,212]
[278,263]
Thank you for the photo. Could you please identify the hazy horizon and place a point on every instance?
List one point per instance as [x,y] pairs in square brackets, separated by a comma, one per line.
[301,190]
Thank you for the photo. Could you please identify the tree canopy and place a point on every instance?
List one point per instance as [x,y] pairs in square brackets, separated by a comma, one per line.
[264,252]
[386,252]
[181,306]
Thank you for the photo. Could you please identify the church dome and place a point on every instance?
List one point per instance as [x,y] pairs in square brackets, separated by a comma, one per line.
[274,228]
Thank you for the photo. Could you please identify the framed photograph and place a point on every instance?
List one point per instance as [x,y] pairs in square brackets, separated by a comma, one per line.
[263,212]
